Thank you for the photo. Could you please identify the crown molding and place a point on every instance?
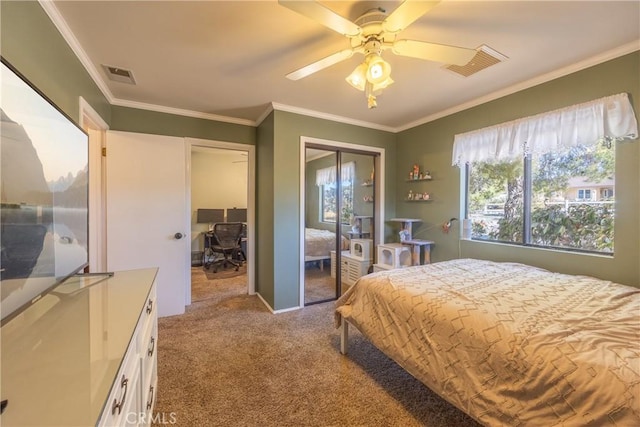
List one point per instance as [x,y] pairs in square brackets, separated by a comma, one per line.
[561,72]
[52,11]
[332,117]
[57,19]
[54,14]
[265,114]
[181,112]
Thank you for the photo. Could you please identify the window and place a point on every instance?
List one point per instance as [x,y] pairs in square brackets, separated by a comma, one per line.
[326,180]
[606,193]
[541,200]
[328,195]
[584,194]
[546,171]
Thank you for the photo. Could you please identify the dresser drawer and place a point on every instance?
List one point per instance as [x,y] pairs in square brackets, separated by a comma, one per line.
[125,392]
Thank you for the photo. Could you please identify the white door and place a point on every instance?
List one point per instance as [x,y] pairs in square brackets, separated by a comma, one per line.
[147,219]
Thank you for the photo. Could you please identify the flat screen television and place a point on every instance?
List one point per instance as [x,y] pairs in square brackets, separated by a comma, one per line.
[43,195]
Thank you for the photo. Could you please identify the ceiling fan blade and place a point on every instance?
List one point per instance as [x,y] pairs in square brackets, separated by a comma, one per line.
[433,52]
[324,16]
[406,14]
[321,64]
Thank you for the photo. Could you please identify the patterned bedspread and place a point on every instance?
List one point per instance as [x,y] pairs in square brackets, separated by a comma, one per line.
[509,344]
[318,243]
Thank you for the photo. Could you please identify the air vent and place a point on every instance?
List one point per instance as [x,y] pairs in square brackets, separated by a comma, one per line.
[485,57]
[119,74]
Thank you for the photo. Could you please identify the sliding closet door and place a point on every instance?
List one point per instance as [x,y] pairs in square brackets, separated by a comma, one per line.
[321,204]
[339,211]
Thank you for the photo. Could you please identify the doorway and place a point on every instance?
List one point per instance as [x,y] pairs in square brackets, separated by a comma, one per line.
[341,213]
[220,183]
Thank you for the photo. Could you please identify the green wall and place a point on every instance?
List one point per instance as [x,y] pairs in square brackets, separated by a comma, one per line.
[33,45]
[152,122]
[282,278]
[431,146]
[265,229]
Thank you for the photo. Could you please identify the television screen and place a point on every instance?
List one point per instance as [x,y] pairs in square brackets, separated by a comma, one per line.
[43,194]
[210,216]
[236,215]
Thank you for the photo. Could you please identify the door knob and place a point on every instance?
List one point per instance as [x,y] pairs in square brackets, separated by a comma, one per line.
[178,236]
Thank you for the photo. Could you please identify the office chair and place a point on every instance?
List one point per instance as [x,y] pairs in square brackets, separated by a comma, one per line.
[227,237]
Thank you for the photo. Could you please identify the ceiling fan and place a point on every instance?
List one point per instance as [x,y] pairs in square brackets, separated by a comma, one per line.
[370,34]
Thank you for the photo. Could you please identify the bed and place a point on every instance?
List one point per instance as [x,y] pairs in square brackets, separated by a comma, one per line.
[508,344]
[318,244]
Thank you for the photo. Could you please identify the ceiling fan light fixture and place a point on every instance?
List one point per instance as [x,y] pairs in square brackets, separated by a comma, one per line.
[383,84]
[378,70]
[358,78]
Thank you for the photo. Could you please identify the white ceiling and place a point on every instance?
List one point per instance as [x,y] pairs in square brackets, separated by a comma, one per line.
[230,58]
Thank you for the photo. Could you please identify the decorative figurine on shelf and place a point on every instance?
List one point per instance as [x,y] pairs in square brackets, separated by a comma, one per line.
[418,196]
[425,196]
[416,171]
[426,175]
[410,195]
[410,175]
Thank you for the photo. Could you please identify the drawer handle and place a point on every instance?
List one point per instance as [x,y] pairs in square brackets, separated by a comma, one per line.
[150,400]
[118,406]
[149,306]
[152,347]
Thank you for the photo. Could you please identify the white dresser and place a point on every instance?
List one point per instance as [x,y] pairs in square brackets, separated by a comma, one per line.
[84,355]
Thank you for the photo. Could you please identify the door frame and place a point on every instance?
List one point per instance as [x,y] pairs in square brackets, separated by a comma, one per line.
[97,128]
[251,199]
[378,191]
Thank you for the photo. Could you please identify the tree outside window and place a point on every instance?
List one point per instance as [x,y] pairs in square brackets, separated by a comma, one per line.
[329,205]
[559,213]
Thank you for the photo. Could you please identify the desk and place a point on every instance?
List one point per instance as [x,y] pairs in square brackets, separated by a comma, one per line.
[416,248]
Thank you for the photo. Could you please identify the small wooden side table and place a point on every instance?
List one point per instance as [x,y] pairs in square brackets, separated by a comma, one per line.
[416,248]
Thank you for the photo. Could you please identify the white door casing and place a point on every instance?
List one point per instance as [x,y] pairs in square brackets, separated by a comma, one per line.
[147,220]
[96,127]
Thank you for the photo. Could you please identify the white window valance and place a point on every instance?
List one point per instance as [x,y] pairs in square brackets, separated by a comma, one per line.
[327,176]
[608,118]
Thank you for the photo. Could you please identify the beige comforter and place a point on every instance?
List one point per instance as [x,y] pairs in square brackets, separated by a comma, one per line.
[507,343]
[319,243]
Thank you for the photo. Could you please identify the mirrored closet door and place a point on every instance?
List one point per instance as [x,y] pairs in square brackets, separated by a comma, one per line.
[339,220]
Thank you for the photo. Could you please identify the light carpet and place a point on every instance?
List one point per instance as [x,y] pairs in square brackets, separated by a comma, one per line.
[228,361]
